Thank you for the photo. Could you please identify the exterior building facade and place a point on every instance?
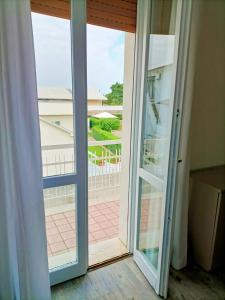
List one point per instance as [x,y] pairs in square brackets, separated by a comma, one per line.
[56,113]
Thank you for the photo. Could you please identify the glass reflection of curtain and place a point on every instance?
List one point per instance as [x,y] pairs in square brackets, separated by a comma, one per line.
[163,17]
[151,81]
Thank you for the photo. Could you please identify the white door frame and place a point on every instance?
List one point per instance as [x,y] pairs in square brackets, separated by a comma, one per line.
[158,280]
[79,178]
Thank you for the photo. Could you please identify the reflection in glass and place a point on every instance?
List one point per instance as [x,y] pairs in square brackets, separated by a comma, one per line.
[149,231]
[157,116]
[60,214]
[158,97]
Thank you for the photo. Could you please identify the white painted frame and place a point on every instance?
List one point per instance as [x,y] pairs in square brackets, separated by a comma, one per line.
[124,213]
[80,178]
[159,278]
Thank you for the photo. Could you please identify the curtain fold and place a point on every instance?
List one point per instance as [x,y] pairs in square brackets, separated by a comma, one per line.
[23,250]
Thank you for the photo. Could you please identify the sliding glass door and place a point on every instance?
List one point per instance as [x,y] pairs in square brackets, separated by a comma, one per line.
[156,135]
[63,113]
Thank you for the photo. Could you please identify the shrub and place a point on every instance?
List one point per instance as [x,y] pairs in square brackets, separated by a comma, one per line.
[94,122]
[105,125]
[101,135]
[109,124]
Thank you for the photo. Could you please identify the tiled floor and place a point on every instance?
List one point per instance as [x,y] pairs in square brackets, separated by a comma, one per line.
[103,225]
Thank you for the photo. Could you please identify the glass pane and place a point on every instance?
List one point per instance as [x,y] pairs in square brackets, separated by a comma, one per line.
[150,219]
[53,67]
[107,208]
[60,212]
[159,81]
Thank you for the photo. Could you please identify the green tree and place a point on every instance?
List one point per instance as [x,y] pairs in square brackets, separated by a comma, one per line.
[116,95]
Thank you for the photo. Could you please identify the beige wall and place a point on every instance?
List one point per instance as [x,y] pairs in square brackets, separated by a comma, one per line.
[61,108]
[208,107]
[95,102]
[204,90]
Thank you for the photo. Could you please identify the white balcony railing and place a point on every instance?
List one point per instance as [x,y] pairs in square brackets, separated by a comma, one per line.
[104,169]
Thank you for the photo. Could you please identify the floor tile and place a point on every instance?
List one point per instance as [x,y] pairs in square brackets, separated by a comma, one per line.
[106,224]
[49,225]
[70,213]
[58,217]
[48,219]
[111,231]
[68,234]
[111,216]
[73,225]
[64,227]
[105,211]
[103,223]
[100,218]
[115,222]
[53,230]
[91,238]
[91,221]
[56,247]
[71,219]
[94,227]
[54,238]
[101,206]
[70,243]
[61,222]
[95,213]
[99,234]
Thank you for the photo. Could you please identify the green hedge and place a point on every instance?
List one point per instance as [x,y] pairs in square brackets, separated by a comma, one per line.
[105,125]
[109,124]
[102,135]
[94,122]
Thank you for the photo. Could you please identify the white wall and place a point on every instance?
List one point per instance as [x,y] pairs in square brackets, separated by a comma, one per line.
[55,108]
[208,107]
[65,121]
[53,159]
[53,136]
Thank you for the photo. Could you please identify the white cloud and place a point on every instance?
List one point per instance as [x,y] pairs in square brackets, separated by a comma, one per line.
[105,53]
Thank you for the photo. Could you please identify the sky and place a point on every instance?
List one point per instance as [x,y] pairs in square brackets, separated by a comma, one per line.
[105,53]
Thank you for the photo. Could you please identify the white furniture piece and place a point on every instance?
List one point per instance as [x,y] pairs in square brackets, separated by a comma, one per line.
[207,218]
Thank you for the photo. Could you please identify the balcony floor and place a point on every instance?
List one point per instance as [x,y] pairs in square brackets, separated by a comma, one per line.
[103,225]
[104,243]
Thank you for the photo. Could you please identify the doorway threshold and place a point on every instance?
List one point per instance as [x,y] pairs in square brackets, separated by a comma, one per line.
[109,261]
[105,251]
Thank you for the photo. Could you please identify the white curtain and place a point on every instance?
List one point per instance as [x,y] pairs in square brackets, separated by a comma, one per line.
[23,255]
